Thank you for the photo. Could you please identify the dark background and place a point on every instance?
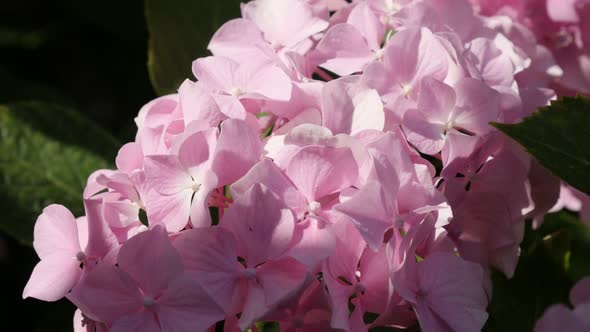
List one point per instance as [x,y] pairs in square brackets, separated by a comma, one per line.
[90,56]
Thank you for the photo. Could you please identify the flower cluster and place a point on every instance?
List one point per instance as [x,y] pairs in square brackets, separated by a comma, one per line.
[331,168]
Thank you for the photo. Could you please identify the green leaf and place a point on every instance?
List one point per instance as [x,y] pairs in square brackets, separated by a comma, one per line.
[558,136]
[180,31]
[553,258]
[46,155]
[538,282]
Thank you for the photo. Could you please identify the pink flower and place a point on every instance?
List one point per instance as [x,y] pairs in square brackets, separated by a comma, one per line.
[467,108]
[244,263]
[146,292]
[63,245]
[560,317]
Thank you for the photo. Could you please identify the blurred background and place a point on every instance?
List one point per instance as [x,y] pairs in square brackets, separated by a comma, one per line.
[91,58]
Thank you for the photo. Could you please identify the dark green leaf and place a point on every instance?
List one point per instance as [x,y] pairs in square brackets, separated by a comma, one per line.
[558,136]
[180,31]
[553,259]
[46,155]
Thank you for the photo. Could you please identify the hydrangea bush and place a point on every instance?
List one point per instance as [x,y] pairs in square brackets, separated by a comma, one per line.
[331,167]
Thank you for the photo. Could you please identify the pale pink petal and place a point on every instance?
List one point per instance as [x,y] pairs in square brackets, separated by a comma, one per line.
[106,294]
[56,231]
[153,271]
[101,239]
[130,157]
[185,306]
[348,107]
[286,22]
[363,18]
[262,224]
[210,257]
[172,211]
[238,149]
[268,81]
[230,106]
[143,321]
[580,293]
[477,106]
[372,212]
[198,105]
[459,298]
[563,10]
[319,171]
[254,305]
[267,173]
[281,279]
[216,73]
[560,318]
[53,277]
[166,174]
[426,136]
[196,151]
[436,100]
[199,213]
[237,39]
[344,50]
[313,241]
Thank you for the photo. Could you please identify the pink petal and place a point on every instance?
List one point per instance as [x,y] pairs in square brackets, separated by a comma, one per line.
[267,173]
[198,105]
[464,312]
[348,107]
[560,318]
[413,54]
[237,39]
[209,256]
[53,277]
[363,18]
[166,174]
[436,100]
[313,241]
[144,321]
[130,158]
[267,81]
[344,50]
[262,224]
[580,293]
[101,239]
[199,212]
[281,279]
[320,171]
[56,231]
[155,271]
[563,10]
[426,136]
[196,151]
[238,149]
[372,212]
[286,22]
[106,294]
[172,211]
[477,106]
[230,106]
[185,306]
[216,73]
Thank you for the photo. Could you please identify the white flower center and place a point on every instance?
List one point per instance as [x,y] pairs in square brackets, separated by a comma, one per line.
[196,186]
[314,207]
[236,92]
